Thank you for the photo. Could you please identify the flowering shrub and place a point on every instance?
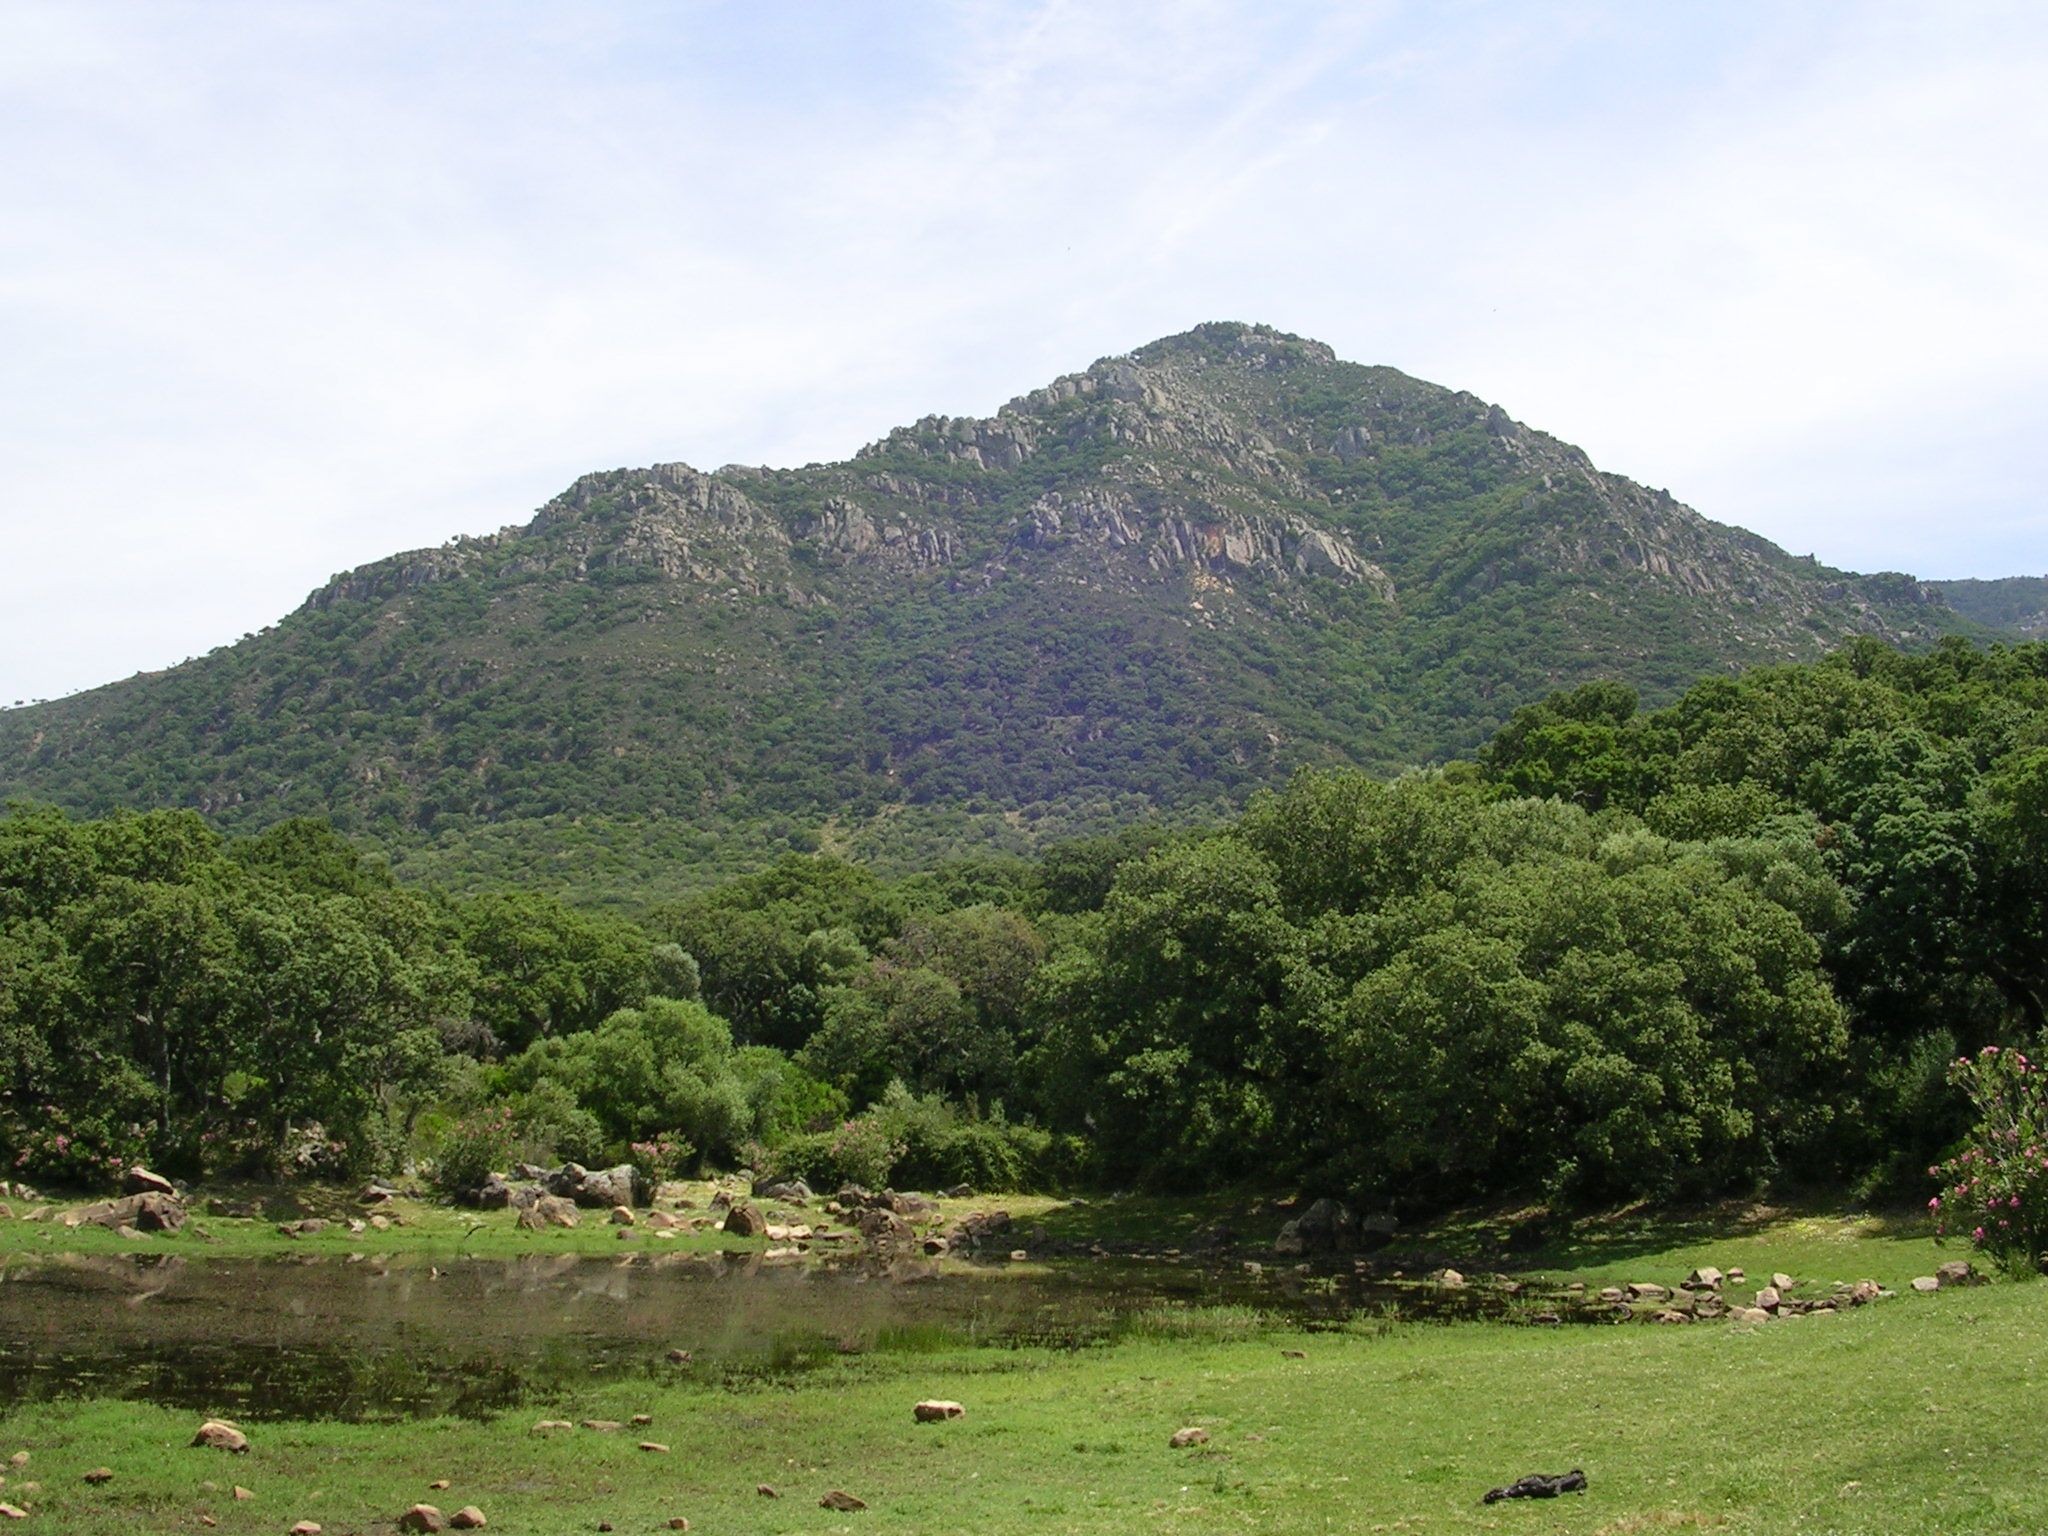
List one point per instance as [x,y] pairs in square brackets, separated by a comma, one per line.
[664,1157]
[50,1145]
[1996,1188]
[476,1145]
[858,1151]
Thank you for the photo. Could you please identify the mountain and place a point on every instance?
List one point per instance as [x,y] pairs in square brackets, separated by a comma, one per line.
[2016,606]
[1143,590]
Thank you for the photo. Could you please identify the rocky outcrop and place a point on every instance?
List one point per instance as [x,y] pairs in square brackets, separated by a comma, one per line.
[148,1212]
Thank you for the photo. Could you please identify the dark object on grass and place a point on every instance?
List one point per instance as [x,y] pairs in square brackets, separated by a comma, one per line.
[1539,1485]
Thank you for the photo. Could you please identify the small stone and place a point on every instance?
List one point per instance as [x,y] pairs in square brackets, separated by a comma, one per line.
[242,1493]
[221,1436]
[1782,1281]
[1018,1255]
[1644,1290]
[306,1528]
[1450,1279]
[932,1410]
[12,1512]
[1863,1292]
[654,1447]
[546,1425]
[842,1501]
[622,1216]
[602,1426]
[1294,1354]
[765,1491]
[678,1523]
[18,1459]
[1736,1276]
[643,1418]
[1705,1278]
[1769,1298]
[423,1517]
[208,1521]
[1926,1284]
[1955,1272]
[1748,1315]
[437,1485]
[100,1475]
[1181,1439]
[467,1518]
[679,1357]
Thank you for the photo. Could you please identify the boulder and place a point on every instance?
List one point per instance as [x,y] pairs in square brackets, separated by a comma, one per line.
[556,1212]
[839,1499]
[1782,1281]
[1181,1439]
[467,1518]
[935,1410]
[622,1216]
[882,1228]
[221,1436]
[746,1221]
[1705,1278]
[494,1194]
[1770,1298]
[793,1190]
[1290,1243]
[423,1517]
[146,1212]
[140,1181]
[12,1512]
[1671,1315]
[1644,1290]
[1748,1315]
[980,1229]
[1926,1284]
[1449,1279]
[610,1187]
[913,1207]
[306,1528]
[1956,1272]
[1863,1292]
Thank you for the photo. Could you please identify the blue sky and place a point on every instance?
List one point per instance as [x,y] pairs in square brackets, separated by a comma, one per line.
[286,287]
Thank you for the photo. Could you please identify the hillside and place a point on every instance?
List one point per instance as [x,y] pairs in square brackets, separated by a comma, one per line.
[1143,590]
[2015,605]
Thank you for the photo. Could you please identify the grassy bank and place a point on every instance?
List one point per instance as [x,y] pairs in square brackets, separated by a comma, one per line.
[1914,1414]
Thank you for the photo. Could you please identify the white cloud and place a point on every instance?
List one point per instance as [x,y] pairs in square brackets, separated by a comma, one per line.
[284,289]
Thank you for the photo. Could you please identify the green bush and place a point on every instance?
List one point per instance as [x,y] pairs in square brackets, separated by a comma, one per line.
[479,1143]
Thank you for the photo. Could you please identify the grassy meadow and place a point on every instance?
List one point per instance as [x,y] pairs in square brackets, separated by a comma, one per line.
[1918,1413]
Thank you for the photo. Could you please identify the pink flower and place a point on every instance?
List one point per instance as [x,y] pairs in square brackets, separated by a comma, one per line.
[1934,1204]
[2014,1201]
[1978,1234]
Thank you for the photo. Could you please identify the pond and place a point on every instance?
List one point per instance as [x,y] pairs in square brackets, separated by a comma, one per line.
[372,1338]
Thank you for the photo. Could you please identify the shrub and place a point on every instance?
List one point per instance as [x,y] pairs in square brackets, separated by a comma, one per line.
[1996,1188]
[859,1151]
[479,1143]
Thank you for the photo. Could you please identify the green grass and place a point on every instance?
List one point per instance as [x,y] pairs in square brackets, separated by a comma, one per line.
[1917,1414]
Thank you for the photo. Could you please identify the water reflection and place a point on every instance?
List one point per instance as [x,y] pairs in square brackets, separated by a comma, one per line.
[378,1338]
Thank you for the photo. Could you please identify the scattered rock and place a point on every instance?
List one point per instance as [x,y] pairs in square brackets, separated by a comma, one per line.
[679,1357]
[642,1418]
[746,1221]
[1926,1284]
[242,1495]
[1671,1315]
[765,1491]
[796,1191]
[654,1447]
[438,1485]
[913,1207]
[1449,1279]
[1956,1272]
[1749,1315]
[221,1436]
[1644,1290]
[1294,1354]
[1863,1292]
[678,1523]
[1705,1278]
[1181,1439]
[842,1501]
[100,1475]
[467,1518]
[622,1216]
[12,1512]
[933,1410]
[1769,1298]
[1736,1276]
[1782,1281]
[423,1517]
[138,1180]
[546,1425]
[306,1528]
[602,1426]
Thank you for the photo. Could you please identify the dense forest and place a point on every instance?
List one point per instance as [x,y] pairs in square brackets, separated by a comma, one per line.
[1616,953]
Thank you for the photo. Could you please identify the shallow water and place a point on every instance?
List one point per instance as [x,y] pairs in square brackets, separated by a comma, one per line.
[381,1339]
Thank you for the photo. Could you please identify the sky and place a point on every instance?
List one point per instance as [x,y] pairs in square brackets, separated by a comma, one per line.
[288,286]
